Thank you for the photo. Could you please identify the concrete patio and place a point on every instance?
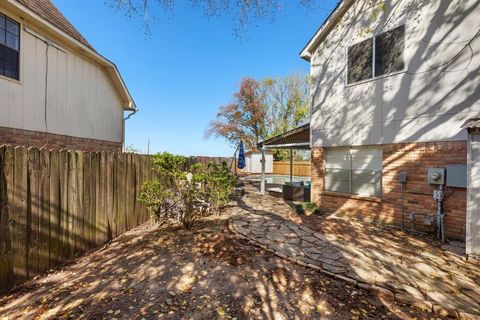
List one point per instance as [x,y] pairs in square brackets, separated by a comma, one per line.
[410,269]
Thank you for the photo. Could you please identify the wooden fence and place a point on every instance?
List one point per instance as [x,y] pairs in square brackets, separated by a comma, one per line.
[54,204]
[299,168]
[206,160]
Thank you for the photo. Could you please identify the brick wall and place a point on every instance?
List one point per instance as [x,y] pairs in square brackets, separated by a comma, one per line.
[414,158]
[27,138]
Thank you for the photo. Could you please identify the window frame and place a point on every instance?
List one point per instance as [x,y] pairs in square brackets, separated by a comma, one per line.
[19,51]
[373,78]
[350,170]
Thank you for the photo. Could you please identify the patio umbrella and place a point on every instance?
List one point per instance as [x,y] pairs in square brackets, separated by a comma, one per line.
[241,157]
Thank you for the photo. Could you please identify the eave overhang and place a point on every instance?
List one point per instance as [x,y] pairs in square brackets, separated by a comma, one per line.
[325,28]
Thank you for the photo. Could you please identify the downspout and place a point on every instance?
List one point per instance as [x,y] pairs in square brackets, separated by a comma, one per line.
[123,126]
[291,166]
[131,114]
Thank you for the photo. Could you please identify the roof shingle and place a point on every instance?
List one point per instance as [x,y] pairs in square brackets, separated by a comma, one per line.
[47,10]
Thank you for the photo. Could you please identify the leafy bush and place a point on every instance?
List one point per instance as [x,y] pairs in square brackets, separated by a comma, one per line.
[307,208]
[219,182]
[183,191]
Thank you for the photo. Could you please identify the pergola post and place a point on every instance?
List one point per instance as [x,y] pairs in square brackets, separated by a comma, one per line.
[262,184]
[291,165]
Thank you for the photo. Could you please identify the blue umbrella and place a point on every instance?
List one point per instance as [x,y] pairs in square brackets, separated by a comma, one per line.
[241,157]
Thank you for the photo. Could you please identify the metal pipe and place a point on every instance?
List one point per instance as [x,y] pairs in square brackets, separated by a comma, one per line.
[234,159]
[440,218]
[443,227]
[291,166]
[442,214]
[401,206]
[262,184]
[439,221]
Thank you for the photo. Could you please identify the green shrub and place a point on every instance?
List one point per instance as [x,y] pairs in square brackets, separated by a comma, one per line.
[220,182]
[307,208]
[182,191]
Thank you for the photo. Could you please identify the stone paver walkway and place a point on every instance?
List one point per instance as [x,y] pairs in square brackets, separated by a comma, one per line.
[393,263]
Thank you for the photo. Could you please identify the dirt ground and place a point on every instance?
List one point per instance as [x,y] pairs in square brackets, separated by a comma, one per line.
[207,273]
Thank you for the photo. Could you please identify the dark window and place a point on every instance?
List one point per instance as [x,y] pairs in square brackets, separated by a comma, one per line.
[388,56]
[389,51]
[9,47]
[360,61]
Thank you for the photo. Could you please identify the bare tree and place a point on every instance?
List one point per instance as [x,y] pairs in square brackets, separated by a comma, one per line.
[244,11]
[287,102]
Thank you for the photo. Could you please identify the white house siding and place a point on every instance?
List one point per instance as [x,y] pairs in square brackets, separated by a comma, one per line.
[473,196]
[81,101]
[421,104]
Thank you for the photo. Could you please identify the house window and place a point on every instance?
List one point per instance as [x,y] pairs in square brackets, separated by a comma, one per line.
[9,47]
[354,170]
[380,55]
[389,51]
[360,61]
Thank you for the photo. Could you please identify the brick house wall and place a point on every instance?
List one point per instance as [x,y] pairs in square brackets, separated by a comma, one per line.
[27,138]
[414,158]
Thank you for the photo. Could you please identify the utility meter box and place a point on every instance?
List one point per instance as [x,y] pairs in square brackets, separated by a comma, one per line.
[457,175]
[436,176]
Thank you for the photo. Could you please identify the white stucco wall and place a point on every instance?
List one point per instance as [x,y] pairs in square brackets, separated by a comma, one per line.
[419,104]
[81,100]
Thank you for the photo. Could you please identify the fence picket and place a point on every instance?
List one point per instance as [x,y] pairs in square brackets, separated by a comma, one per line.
[299,168]
[44,206]
[128,191]
[109,194]
[87,205]
[6,253]
[93,196]
[80,243]
[54,210]
[19,217]
[114,194]
[121,194]
[64,213]
[33,213]
[99,223]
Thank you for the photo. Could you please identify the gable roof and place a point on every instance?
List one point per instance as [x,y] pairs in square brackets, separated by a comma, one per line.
[46,10]
[325,28]
[49,18]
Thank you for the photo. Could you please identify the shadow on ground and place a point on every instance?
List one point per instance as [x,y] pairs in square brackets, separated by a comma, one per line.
[207,273]
[413,268]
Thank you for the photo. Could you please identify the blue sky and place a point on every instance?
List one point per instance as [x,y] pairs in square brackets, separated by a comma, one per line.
[189,65]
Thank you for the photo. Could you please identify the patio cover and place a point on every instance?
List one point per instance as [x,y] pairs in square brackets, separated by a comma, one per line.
[472,125]
[298,138]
